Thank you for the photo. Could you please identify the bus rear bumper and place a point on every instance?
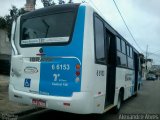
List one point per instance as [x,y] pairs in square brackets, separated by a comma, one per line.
[80,102]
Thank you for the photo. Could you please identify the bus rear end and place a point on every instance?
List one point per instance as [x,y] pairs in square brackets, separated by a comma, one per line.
[47,69]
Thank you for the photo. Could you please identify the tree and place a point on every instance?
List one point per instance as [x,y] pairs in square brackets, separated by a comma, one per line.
[14,14]
[70,1]
[6,21]
[3,24]
[61,2]
[47,3]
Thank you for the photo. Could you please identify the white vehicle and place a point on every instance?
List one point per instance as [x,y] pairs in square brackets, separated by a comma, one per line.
[68,58]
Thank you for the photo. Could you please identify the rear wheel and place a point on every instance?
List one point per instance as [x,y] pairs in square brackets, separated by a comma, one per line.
[119,102]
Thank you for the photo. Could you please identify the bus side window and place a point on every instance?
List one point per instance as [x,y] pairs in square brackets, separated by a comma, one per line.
[118,44]
[130,63]
[121,53]
[121,59]
[128,52]
[130,57]
[131,52]
[99,40]
[123,44]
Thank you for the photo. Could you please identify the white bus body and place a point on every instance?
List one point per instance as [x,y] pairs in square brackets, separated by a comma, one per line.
[67,72]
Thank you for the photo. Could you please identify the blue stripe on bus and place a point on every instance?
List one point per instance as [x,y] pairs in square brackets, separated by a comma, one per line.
[48,84]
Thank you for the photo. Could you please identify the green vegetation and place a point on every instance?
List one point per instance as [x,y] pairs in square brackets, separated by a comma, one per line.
[6,21]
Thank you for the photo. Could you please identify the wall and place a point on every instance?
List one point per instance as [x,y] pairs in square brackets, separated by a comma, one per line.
[149,65]
[5,46]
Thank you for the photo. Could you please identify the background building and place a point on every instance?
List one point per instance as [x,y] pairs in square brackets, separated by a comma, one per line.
[146,67]
[5,46]
[5,51]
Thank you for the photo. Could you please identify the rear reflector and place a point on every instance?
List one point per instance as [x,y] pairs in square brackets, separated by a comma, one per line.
[77,79]
[66,104]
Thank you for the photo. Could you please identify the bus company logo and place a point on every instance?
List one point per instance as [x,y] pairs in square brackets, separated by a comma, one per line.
[30,70]
[41,59]
[41,50]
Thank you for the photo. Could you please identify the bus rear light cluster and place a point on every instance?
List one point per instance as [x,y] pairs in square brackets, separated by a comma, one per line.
[78,70]
[77,73]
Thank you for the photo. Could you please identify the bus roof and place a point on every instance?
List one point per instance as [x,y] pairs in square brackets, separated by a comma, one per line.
[50,10]
[70,7]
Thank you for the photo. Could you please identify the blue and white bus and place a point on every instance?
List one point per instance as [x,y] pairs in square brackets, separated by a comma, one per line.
[68,58]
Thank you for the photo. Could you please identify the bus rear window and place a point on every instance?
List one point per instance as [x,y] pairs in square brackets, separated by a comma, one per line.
[48,29]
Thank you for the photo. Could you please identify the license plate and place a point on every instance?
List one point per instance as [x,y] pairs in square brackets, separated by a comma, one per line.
[38,102]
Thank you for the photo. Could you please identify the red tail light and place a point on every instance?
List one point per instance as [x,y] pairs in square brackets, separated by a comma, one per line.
[77,73]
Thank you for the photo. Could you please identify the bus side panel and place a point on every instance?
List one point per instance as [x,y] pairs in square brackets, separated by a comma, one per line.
[124,79]
[91,81]
[20,75]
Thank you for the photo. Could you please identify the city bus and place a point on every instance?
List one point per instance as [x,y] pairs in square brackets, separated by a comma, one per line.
[68,58]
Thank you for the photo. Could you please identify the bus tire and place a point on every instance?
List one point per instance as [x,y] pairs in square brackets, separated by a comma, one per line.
[119,102]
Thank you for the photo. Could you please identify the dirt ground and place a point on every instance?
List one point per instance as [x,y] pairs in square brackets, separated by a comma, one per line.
[7,106]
